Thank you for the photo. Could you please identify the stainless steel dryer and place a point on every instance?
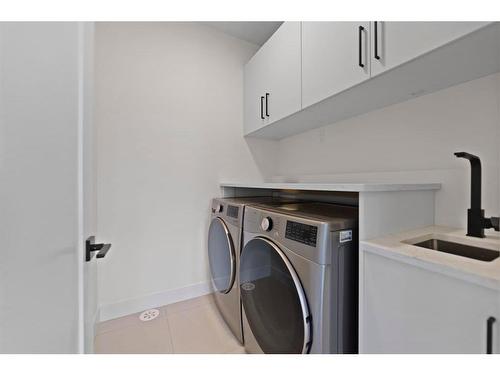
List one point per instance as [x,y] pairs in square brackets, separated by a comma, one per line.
[224,246]
[299,278]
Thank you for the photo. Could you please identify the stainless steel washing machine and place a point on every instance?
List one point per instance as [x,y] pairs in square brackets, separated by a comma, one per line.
[224,247]
[299,278]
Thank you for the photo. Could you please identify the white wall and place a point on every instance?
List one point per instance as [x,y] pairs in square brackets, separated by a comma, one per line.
[410,141]
[169,117]
[39,114]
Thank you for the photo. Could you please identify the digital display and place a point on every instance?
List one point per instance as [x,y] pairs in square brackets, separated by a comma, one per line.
[306,234]
[232,211]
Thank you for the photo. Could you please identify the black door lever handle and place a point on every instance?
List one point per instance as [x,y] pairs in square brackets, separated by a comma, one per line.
[103,250]
[91,247]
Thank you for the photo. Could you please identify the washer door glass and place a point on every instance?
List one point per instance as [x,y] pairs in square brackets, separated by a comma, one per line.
[273,299]
[221,256]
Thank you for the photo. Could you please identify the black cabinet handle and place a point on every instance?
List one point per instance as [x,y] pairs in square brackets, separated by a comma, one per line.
[267,104]
[489,335]
[360,53]
[91,247]
[262,108]
[376,55]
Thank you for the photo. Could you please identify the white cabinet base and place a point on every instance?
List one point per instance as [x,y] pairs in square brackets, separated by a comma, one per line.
[405,308]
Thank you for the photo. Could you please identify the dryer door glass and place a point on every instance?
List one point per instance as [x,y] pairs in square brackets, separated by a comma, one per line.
[273,299]
[221,256]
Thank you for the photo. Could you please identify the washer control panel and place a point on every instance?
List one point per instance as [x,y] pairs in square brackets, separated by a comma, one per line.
[300,232]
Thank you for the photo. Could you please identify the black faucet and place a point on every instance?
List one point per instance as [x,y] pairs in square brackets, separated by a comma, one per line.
[476,222]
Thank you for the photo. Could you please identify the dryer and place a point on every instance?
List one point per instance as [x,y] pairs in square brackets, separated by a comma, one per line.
[224,245]
[299,278]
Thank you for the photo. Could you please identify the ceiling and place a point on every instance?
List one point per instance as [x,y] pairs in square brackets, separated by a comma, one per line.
[254,32]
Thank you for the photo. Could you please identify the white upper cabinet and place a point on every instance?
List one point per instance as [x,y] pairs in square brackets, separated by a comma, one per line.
[394,43]
[313,74]
[273,79]
[335,56]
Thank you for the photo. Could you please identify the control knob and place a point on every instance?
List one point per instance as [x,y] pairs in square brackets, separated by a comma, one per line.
[217,208]
[266,224]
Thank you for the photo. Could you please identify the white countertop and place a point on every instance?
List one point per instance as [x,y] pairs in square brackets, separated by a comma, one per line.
[481,272]
[348,187]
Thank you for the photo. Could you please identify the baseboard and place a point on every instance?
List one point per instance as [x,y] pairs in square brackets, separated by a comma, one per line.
[131,306]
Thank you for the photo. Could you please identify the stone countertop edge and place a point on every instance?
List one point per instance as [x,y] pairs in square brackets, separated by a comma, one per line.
[471,270]
[347,187]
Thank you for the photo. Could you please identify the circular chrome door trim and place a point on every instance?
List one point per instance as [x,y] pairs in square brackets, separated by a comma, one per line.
[298,287]
[231,254]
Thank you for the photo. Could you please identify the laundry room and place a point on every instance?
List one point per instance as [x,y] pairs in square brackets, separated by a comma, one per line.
[149,146]
[241,185]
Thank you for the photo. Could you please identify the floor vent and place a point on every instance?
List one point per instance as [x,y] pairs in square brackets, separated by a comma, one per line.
[148,315]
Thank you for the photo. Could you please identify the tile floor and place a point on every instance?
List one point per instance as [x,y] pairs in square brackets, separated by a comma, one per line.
[192,326]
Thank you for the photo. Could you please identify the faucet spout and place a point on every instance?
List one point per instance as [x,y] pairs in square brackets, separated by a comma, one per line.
[475,182]
[476,222]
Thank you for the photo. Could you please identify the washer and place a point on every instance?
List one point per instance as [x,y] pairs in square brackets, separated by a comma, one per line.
[224,247]
[299,278]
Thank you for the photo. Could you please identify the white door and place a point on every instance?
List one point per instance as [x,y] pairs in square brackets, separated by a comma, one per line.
[335,57]
[394,43]
[47,205]
[39,188]
[273,79]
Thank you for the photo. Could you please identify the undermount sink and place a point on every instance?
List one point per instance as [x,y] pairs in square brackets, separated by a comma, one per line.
[478,253]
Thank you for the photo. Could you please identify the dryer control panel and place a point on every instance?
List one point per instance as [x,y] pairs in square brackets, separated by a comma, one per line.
[232,211]
[300,232]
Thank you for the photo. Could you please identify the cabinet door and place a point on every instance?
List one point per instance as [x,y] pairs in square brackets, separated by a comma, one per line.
[408,309]
[398,42]
[255,71]
[274,74]
[283,83]
[335,56]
